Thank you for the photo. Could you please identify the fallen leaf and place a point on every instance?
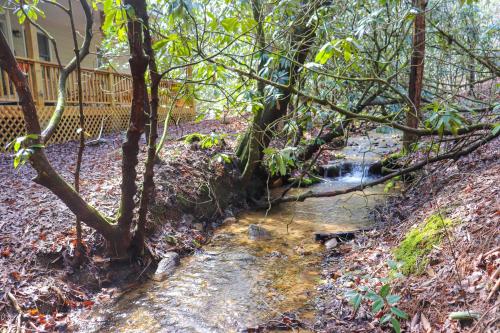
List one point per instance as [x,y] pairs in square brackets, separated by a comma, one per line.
[425,324]
[87,304]
[6,252]
[16,276]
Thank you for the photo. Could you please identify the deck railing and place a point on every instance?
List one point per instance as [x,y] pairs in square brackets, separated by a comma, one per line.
[100,87]
[107,96]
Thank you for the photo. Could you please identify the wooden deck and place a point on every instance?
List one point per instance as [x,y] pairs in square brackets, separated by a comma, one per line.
[106,94]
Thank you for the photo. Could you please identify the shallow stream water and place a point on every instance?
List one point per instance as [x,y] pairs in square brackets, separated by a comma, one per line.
[235,283]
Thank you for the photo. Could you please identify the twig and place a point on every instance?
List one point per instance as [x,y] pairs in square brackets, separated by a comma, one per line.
[493,291]
[14,302]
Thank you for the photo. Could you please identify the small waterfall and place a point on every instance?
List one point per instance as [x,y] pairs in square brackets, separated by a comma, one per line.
[353,172]
[349,170]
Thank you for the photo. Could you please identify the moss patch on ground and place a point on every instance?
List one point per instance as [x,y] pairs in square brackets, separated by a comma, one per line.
[194,137]
[414,249]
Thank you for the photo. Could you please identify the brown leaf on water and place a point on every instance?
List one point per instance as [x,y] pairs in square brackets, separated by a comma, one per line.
[88,304]
[6,252]
[16,276]
[33,312]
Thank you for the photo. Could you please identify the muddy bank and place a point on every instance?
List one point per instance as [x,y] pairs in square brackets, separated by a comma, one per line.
[456,274]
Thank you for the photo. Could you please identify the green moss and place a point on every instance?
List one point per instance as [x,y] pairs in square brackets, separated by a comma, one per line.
[194,137]
[305,182]
[413,251]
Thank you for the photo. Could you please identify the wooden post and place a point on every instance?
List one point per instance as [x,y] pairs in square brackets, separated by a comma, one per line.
[111,83]
[32,49]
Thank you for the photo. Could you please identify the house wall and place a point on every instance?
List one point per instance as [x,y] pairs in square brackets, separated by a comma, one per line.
[57,24]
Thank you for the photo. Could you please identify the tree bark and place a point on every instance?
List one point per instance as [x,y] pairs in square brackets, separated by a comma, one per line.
[78,256]
[416,72]
[148,184]
[130,148]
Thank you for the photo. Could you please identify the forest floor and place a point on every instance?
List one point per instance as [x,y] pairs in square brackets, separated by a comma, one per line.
[463,268]
[38,286]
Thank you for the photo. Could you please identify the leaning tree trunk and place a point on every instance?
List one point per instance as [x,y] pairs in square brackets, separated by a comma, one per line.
[260,133]
[416,72]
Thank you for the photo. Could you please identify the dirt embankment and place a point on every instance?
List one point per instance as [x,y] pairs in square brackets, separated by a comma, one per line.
[38,287]
[454,267]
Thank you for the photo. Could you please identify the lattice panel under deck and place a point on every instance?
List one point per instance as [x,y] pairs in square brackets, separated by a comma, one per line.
[113,118]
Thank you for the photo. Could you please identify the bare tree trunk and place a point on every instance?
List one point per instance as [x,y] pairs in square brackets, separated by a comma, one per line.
[416,72]
[78,257]
[148,184]
[130,148]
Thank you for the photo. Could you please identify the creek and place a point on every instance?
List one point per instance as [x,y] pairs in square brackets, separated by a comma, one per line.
[234,283]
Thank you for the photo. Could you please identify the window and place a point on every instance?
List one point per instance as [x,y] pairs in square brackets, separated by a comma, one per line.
[43,47]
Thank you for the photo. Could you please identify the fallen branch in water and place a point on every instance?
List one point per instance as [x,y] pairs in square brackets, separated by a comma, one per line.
[451,155]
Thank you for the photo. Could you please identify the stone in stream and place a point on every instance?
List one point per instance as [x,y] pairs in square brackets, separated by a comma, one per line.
[339,236]
[229,220]
[332,243]
[256,232]
[166,266]
[334,169]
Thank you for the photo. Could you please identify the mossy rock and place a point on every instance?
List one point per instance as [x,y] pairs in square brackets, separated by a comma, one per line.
[414,249]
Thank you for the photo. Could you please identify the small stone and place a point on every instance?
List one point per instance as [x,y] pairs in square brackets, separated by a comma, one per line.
[166,266]
[229,220]
[198,226]
[332,243]
[256,232]
[187,219]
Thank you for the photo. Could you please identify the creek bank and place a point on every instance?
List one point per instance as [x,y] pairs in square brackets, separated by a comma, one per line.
[460,271]
[38,231]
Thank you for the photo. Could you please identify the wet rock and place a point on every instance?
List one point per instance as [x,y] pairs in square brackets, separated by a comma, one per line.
[276,254]
[375,169]
[339,236]
[256,232]
[329,170]
[166,266]
[336,170]
[198,226]
[187,219]
[332,243]
[229,220]
[277,183]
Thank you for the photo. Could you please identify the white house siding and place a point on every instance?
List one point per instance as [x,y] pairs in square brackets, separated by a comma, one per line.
[57,24]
